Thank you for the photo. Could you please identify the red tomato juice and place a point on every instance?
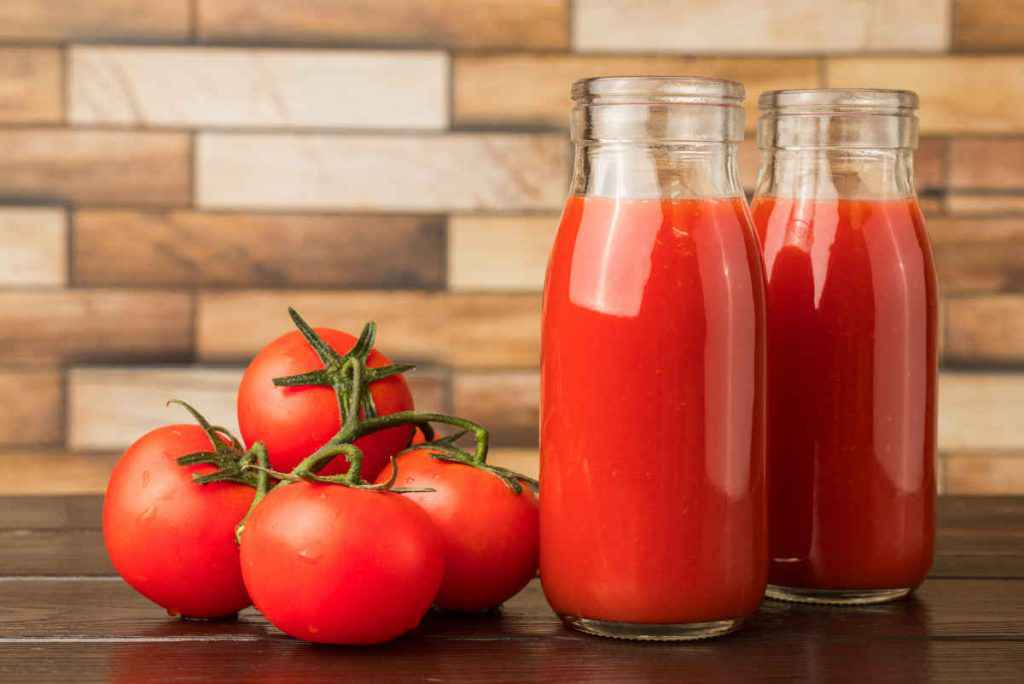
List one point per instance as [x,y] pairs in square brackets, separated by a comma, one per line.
[851,392]
[652,430]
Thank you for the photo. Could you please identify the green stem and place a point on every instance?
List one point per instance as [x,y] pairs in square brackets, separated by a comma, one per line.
[480,433]
[259,452]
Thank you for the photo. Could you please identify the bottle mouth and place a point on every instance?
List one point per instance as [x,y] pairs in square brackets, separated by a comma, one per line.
[839,101]
[658,90]
[837,118]
[657,110]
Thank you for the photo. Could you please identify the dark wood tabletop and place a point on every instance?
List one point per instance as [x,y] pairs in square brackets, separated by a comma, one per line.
[65,616]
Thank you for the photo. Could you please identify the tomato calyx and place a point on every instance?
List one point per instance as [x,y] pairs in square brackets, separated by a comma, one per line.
[334,373]
[227,454]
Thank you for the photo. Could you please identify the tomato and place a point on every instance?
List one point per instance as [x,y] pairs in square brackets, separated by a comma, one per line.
[171,539]
[293,422]
[490,532]
[341,565]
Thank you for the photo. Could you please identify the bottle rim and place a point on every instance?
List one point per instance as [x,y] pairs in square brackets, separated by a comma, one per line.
[839,100]
[658,90]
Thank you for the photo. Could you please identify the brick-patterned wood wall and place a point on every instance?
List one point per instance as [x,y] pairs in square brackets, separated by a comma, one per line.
[174,173]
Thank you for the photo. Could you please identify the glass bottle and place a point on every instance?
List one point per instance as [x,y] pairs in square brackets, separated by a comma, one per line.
[851,346]
[652,373]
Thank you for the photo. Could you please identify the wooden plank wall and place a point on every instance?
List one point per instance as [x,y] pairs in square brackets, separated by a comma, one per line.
[174,173]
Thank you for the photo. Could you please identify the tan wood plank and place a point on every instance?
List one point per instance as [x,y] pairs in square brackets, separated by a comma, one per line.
[479,330]
[523,24]
[240,87]
[188,248]
[55,325]
[96,166]
[31,81]
[457,171]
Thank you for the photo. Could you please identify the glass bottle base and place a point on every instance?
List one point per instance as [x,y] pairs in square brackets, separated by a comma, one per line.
[835,597]
[642,632]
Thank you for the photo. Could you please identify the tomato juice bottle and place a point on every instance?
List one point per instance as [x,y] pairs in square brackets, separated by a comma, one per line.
[653,369]
[851,346]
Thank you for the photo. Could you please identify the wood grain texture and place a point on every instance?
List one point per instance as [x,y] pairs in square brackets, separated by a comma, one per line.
[541,82]
[188,248]
[109,406]
[50,512]
[980,410]
[481,330]
[33,246]
[110,610]
[67,325]
[67,552]
[976,537]
[524,24]
[50,472]
[989,163]
[214,87]
[457,171]
[559,655]
[33,408]
[506,402]
[983,203]
[30,85]
[986,473]
[523,461]
[96,167]
[988,25]
[70,20]
[985,328]
[499,252]
[956,630]
[930,164]
[978,254]
[956,92]
[763,26]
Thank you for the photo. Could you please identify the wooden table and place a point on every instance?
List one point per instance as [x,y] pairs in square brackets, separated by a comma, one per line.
[65,617]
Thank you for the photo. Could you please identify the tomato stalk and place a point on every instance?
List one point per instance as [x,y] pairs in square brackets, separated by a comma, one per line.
[355,377]
[229,457]
[350,377]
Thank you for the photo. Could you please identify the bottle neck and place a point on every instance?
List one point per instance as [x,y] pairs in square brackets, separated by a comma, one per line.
[655,169]
[831,173]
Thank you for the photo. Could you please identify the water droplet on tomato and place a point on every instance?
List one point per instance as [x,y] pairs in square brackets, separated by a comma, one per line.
[148,513]
[310,555]
[145,478]
[313,630]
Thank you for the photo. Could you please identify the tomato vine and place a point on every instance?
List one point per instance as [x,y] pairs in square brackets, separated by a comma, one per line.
[350,377]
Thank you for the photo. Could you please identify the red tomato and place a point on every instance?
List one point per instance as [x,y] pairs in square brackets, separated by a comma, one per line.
[171,539]
[418,437]
[341,565]
[293,422]
[490,532]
